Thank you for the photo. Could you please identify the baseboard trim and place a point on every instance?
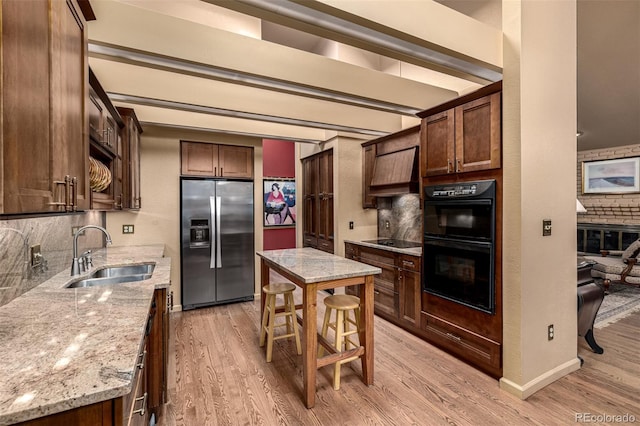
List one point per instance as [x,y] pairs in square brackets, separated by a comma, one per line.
[533,386]
[176,308]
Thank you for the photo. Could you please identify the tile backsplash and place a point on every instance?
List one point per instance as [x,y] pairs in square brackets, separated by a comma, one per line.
[53,234]
[400,217]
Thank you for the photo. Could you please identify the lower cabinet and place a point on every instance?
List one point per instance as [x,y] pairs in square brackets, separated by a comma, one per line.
[397,288]
[149,389]
[471,335]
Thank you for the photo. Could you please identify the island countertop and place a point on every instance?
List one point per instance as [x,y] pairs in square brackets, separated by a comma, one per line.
[310,265]
[64,348]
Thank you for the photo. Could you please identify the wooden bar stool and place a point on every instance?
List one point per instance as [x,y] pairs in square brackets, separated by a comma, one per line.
[270,314]
[342,304]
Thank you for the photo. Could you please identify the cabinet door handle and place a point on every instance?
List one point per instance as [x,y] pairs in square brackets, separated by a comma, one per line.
[449,166]
[458,166]
[142,410]
[74,188]
[143,355]
[221,172]
[59,195]
[376,292]
[67,193]
[454,337]
[215,171]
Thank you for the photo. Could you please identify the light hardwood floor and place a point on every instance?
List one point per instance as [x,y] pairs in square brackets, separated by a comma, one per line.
[218,376]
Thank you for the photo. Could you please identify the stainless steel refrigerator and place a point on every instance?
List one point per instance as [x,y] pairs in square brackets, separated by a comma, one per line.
[217,242]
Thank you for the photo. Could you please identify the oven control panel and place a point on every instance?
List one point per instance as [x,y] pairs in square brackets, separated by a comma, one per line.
[462,190]
[451,191]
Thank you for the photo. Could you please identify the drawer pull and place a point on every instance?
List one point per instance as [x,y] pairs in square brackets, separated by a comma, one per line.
[409,263]
[143,355]
[454,337]
[376,292]
[142,410]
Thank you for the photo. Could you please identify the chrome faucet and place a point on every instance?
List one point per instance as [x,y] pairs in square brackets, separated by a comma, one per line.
[86,259]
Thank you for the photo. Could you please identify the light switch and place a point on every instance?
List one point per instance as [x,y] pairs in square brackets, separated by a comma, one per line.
[546,227]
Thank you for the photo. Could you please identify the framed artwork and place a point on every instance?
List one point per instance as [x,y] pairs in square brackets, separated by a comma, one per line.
[279,202]
[611,176]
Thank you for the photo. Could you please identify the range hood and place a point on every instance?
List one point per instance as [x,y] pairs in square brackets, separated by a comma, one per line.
[395,173]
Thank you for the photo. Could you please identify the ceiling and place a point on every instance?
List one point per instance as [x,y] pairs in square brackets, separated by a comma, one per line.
[240,67]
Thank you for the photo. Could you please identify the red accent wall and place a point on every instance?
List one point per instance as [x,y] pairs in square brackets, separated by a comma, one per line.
[278,160]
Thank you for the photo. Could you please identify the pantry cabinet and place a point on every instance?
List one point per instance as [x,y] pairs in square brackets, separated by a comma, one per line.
[317,196]
[216,160]
[463,135]
[44,126]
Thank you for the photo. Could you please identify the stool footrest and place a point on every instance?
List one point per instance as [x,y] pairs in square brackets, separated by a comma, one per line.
[346,356]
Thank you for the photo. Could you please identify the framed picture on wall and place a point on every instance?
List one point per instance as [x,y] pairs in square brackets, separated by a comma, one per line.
[617,176]
[279,202]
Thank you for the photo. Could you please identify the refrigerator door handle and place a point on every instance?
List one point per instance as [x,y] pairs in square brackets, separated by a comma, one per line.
[214,234]
[218,232]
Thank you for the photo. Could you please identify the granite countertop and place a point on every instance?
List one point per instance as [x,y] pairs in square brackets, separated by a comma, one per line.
[66,348]
[413,251]
[311,266]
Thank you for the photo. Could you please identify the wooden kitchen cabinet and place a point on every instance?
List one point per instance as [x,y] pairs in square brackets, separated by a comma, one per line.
[463,135]
[216,160]
[397,289]
[369,158]
[44,122]
[317,196]
[106,147]
[158,353]
[130,133]
[410,287]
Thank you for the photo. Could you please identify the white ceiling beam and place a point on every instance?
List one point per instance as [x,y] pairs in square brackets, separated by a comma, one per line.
[132,27]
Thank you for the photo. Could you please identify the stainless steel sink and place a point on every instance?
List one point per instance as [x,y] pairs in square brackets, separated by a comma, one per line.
[115,275]
[118,271]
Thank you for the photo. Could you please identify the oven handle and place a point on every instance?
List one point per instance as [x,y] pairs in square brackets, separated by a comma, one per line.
[478,246]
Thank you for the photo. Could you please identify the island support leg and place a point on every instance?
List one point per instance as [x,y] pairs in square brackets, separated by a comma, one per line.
[309,342]
[366,329]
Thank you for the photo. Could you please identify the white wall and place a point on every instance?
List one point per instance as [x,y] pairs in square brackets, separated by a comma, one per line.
[539,154]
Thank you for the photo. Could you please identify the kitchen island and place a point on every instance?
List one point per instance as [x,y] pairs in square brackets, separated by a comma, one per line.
[66,348]
[314,270]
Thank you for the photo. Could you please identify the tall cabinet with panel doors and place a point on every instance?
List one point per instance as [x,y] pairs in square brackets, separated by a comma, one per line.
[317,196]
[463,135]
[461,141]
[216,160]
[44,125]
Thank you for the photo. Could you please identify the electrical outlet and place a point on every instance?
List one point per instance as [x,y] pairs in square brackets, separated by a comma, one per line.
[550,332]
[127,229]
[74,229]
[546,227]
[36,255]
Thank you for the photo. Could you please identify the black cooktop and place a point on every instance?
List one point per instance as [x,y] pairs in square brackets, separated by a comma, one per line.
[394,243]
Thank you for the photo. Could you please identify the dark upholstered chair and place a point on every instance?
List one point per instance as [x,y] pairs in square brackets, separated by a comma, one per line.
[617,266]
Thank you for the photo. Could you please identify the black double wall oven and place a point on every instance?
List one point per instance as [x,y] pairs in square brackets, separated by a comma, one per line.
[459,243]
